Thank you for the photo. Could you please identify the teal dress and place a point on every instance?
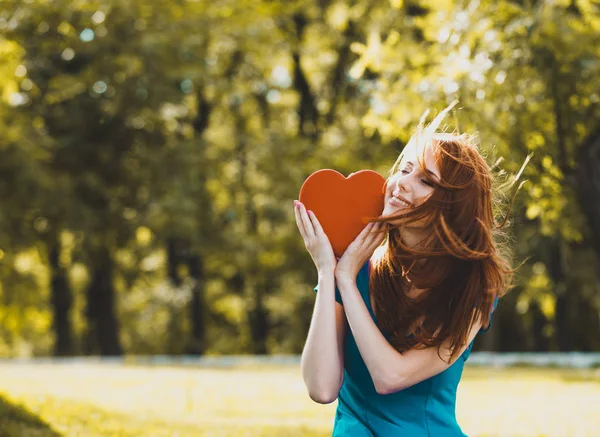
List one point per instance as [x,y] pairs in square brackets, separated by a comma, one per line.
[422,410]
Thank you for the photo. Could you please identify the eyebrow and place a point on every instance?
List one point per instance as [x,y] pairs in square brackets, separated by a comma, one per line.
[426,169]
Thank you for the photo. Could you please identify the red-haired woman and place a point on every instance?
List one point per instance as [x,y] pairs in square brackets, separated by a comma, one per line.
[396,316]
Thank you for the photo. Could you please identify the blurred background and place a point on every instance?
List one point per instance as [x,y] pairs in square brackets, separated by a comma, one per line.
[150,153]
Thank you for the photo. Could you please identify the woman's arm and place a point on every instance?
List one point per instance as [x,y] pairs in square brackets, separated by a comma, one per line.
[390,370]
[322,360]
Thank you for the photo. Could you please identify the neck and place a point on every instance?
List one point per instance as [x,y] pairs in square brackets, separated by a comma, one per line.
[414,238]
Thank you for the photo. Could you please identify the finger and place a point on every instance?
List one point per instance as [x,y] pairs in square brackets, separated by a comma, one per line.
[361,238]
[299,221]
[379,233]
[315,222]
[367,228]
[380,228]
[366,231]
[383,233]
[372,242]
[375,233]
[308,227]
[377,227]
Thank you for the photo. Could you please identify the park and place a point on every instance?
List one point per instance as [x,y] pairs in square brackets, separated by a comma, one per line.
[153,279]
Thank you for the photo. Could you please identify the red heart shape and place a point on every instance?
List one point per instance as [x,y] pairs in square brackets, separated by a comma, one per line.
[343,205]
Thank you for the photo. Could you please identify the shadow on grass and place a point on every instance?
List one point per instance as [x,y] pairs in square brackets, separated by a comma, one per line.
[79,418]
[17,421]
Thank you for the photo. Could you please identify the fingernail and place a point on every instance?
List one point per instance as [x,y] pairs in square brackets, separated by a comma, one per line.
[295,202]
[309,211]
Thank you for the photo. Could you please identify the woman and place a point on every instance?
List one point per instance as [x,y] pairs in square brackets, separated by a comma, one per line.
[396,316]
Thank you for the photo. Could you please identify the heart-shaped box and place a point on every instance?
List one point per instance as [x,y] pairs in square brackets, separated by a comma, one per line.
[343,205]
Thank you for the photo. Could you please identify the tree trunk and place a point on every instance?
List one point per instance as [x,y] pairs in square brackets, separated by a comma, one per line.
[588,181]
[175,331]
[61,300]
[539,321]
[103,330]
[258,320]
[562,305]
[183,251]
[510,323]
[308,113]
[490,340]
[173,261]
[256,311]
[197,344]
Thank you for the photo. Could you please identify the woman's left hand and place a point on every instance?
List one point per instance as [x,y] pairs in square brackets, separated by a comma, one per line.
[360,250]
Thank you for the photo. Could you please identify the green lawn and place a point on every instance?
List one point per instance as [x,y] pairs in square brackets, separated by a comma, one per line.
[90,400]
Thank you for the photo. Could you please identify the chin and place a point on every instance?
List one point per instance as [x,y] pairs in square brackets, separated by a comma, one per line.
[390,210]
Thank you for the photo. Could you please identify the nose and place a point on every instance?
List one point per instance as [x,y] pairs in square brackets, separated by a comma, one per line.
[402,184]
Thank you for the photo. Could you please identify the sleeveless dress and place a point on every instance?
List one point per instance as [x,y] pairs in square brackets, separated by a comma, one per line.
[422,410]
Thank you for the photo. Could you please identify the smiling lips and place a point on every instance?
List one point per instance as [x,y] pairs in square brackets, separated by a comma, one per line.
[397,200]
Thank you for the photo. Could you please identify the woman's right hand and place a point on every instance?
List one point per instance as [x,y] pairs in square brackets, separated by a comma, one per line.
[315,240]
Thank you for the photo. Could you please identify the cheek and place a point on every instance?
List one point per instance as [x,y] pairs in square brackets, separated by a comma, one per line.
[389,186]
[424,194]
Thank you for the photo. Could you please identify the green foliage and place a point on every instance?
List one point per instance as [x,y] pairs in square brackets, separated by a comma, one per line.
[129,126]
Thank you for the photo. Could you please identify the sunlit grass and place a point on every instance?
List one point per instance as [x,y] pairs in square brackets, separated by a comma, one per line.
[127,401]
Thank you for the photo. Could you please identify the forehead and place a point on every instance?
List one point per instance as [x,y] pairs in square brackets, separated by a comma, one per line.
[414,151]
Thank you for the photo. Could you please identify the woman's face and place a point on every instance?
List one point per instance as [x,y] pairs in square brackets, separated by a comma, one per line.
[409,187]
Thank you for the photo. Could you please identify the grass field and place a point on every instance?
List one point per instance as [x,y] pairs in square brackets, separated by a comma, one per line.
[68,400]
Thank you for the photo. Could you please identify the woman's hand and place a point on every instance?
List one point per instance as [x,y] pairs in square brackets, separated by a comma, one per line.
[315,240]
[360,250]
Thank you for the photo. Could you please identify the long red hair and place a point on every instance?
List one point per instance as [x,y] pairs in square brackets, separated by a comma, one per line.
[461,265]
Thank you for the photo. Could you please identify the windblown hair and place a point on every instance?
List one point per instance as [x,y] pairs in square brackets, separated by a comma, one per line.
[461,266]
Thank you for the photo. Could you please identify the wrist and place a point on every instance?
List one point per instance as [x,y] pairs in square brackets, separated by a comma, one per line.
[341,277]
[326,271]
